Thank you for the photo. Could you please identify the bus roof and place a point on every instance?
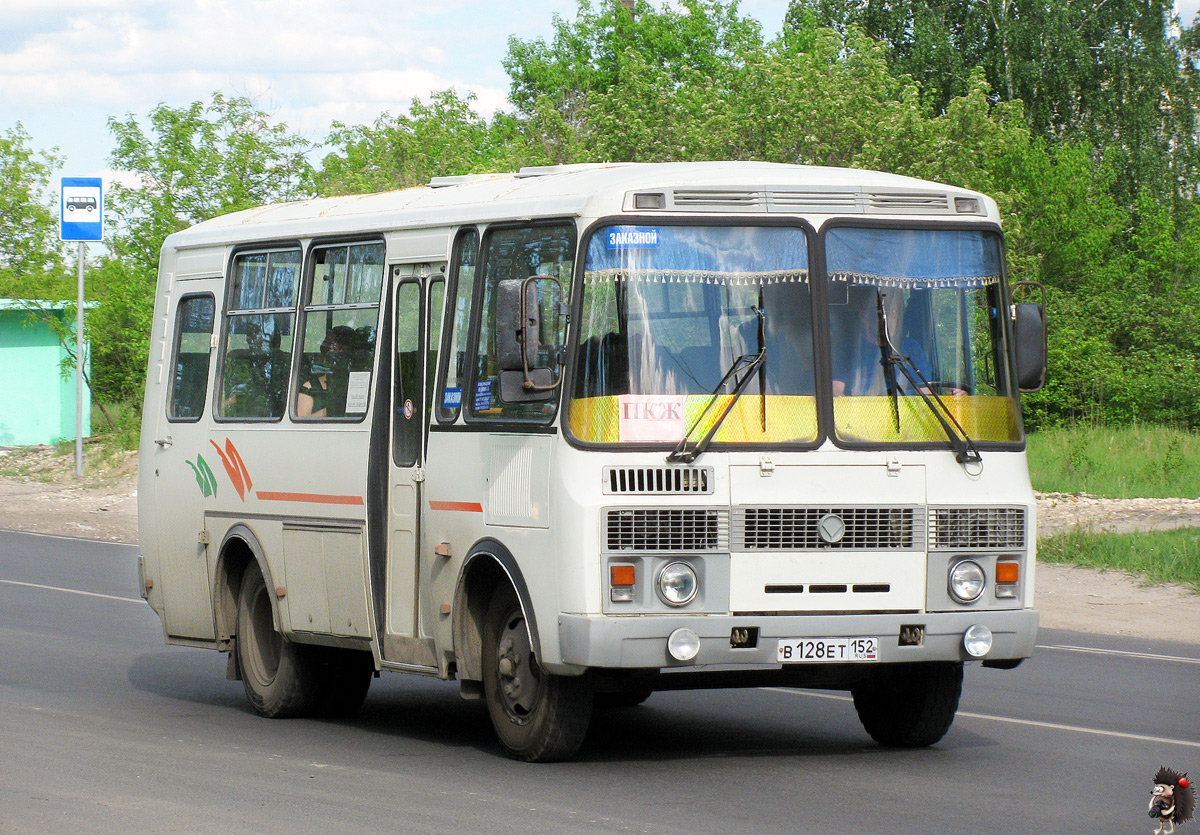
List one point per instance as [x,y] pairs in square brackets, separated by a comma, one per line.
[599,189]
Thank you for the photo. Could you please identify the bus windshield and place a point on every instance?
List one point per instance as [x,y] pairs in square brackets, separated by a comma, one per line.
[935,296]
[669,309]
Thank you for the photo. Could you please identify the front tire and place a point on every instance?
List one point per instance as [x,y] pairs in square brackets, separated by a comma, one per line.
[911,705]
[538,717]
[278,675]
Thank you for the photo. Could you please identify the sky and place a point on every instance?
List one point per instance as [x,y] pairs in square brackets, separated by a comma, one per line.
[66,66]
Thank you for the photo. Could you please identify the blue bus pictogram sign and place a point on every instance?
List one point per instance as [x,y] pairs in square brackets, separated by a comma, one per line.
[82,209]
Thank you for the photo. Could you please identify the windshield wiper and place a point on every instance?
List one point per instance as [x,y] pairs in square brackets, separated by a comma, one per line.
[965,451]
[744,365]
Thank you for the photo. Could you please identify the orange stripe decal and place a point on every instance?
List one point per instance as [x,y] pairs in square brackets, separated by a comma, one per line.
[314,498]
[467,507]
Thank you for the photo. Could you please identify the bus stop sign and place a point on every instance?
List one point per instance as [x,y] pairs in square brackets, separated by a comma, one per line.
[82,209]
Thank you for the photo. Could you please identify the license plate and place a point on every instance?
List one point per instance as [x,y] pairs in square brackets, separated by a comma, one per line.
[826,650]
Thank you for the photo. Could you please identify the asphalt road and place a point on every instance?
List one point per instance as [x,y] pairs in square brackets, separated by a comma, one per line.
[104,729]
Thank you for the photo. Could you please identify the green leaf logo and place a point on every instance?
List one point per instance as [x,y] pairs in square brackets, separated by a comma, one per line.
[204,476]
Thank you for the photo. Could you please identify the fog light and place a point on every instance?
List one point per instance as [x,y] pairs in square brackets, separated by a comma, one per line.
[684,644]
[678,584]
[977,641]
[967,581]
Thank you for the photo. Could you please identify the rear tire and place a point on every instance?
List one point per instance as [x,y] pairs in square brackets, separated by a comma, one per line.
[278,675]
[538,717]
[910,706]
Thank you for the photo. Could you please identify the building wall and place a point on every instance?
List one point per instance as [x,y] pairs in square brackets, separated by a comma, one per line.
[37,405]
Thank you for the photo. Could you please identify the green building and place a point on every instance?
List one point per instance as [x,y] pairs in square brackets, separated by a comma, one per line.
[37,404]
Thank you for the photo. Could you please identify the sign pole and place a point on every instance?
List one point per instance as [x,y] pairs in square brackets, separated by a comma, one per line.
[79,370]
[81,219]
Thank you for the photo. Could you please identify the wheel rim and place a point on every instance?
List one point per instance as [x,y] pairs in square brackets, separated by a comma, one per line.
[519,678]
[265,644]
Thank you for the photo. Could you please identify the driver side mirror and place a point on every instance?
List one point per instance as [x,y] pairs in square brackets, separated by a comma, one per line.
[1029,334]
[519,338]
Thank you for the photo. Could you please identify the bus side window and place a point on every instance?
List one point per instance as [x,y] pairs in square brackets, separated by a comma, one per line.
[193,341]
[341,315]
[454,359]
[259,323]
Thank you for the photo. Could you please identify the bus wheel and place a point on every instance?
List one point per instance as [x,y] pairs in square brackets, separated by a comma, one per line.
[910,706]
[278,675]
[538,717]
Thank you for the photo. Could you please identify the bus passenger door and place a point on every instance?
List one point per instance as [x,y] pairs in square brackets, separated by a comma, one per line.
[417,315]
[184,482]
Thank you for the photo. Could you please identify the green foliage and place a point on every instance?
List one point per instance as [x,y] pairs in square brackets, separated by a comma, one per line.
[1137,461]
[195,163]
[1105,73]
[1158,556]
[118,330]
[442,138]
[31,256]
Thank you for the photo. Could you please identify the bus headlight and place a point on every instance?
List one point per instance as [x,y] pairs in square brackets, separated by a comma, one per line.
[678,584]
[967,581]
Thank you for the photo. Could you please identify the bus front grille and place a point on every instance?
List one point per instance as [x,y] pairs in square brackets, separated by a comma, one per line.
[666,529]
[657,480]
[825,528]
[976,527]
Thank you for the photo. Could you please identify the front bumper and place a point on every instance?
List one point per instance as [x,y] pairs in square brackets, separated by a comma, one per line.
[640,641]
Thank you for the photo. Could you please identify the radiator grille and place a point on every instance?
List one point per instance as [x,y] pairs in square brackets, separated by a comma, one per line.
[798,528]
[976,527]
[666,529]
[657,480]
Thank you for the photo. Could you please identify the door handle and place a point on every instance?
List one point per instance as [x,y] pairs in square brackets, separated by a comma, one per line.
[164,442]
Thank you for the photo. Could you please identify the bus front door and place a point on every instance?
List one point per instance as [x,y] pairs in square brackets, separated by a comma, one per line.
[416,314]
[185,483]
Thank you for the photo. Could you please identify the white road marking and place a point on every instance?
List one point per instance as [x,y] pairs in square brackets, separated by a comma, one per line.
[89,540]
[1030,722]
[1125,653]
[73,591]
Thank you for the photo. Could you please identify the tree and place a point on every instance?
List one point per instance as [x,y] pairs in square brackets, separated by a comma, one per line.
[31,256]
[1106,72]
[198,162]
[650,54]
[442,138]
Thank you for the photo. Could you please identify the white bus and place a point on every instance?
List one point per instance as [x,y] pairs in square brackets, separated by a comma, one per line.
[578,434]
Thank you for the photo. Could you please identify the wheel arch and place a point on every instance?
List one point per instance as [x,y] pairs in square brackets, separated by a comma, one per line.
[239,548]
[488,564]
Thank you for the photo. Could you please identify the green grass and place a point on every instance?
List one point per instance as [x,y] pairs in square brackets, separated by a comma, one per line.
[1157,557]
[1151,462]
[1136,462]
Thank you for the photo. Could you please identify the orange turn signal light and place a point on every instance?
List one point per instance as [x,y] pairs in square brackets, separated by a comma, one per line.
[1007,572]
[622,575]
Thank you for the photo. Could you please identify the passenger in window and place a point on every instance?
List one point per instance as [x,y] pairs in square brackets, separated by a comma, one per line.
[317,395]
[248,371]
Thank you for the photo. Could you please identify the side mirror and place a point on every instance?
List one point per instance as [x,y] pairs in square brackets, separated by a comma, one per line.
[1029,334]
[518,338]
